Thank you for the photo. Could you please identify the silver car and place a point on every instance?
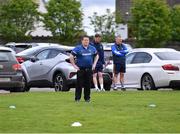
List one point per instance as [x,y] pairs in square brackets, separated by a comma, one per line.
[50,67]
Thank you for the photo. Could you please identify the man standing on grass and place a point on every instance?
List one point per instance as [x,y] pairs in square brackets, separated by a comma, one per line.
[119,52]
[99,66]
[87,58]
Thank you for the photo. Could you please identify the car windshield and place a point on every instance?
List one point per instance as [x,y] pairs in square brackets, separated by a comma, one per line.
[5,56]
[20,48]
[29,51]
[168,55]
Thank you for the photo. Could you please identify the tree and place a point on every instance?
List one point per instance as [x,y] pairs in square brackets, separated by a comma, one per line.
[17,17]
[64,19]
[175,16]
[104,24]
[151,22]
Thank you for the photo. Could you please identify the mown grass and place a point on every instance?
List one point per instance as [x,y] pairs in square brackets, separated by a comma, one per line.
[108,112]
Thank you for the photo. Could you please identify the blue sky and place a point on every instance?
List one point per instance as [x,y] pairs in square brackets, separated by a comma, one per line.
[91,6]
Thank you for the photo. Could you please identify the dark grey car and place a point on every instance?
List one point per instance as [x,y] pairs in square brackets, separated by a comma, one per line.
[10,71]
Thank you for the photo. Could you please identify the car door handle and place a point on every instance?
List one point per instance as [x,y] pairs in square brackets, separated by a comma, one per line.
[40,63]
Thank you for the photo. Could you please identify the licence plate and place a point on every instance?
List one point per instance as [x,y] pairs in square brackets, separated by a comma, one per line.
[5,79]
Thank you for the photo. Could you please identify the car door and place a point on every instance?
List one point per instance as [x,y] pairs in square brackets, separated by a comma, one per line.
[136,67]
[39,69]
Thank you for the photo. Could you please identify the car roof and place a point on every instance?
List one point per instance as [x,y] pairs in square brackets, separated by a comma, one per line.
[32,44]
[16,44]
[34,49]
[153,50]
[107,46]
[5,48]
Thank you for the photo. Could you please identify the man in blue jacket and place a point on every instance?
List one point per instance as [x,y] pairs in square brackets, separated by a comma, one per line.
[99,66]
[119,52]
[86,56]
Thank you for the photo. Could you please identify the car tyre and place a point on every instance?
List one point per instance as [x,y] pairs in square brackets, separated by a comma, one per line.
[147,82]
[60,83]
[20,89]
[26,87]
[107,87]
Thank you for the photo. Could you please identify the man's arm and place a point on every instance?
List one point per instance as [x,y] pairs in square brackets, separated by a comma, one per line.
[95,61]
[73,62]
[115,51]
[125,50]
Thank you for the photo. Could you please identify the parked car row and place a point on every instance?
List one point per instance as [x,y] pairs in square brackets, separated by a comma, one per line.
[49,66]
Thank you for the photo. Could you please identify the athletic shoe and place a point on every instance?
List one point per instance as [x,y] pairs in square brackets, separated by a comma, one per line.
[115,88]
[87,100]
[102,89]
[123,88]
[98,90]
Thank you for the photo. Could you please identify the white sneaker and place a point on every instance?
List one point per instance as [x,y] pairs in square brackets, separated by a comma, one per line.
[97,89]
[115,88]
[102,89]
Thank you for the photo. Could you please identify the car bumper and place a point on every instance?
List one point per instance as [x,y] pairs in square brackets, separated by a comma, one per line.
[8,82]
[175,84]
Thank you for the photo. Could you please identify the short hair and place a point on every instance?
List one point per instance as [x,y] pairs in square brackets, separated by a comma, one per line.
[97,35]
[118,36]
[84,36]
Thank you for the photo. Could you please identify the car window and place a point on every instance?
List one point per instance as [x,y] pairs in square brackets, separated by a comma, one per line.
[29,51]
[168,55]
[53,53]
[141,57]
[107,55]
[129,58]
[43,55]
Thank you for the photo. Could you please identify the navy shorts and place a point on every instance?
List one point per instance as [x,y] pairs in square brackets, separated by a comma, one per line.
[119,68]
[98,69]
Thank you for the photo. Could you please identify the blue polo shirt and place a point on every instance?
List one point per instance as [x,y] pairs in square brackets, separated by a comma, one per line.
[84,56]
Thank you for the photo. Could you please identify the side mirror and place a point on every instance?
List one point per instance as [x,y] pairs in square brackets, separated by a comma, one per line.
[34,59]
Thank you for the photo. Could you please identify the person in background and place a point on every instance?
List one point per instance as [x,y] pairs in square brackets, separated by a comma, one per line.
[99,66]
[86,56]
[119,52]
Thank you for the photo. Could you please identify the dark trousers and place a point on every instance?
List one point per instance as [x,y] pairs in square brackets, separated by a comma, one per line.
[84,77]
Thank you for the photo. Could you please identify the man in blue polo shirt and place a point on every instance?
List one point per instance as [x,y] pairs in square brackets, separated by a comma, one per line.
[119,52]
[86,56]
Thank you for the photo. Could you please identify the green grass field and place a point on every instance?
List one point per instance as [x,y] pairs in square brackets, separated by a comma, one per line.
[118,112]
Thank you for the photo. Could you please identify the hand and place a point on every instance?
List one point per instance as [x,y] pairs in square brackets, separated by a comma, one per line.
[76,67]
[104,66]
[93,67]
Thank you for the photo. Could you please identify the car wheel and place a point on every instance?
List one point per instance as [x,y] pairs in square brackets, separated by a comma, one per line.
[107,87]
[147,83]
[60,83]
[19,89]
[26,87]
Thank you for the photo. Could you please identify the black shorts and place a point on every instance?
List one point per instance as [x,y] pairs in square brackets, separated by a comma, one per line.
[98,69]
[119,68]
